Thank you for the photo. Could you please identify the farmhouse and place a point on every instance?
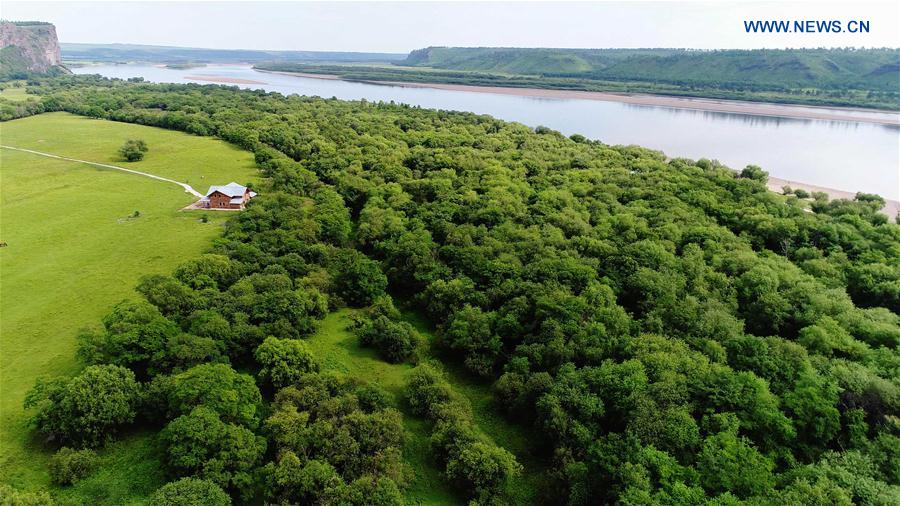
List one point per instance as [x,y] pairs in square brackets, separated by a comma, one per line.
[230,196]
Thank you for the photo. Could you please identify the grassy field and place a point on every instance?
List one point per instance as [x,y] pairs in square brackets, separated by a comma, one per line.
[338,350]
[73,249]
[14,94]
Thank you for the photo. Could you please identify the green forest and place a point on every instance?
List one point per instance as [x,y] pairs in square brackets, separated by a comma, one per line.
[841,77]
[669,330]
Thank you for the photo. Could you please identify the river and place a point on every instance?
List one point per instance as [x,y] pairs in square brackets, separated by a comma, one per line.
[844,155]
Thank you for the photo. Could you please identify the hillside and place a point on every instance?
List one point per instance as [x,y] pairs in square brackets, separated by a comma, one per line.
[170,54]
[27,49]
[877,69]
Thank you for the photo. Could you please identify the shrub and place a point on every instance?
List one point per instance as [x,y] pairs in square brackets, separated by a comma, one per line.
[68,466]
[12,497]
[133,150]
[801,193]
[190,492]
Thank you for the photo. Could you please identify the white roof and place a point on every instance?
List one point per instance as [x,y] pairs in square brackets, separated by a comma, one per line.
[231,189]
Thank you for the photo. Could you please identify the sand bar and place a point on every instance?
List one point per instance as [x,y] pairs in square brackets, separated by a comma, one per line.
[702,104]
[222,79]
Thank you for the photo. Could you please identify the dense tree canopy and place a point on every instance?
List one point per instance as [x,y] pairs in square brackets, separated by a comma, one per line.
[674,332]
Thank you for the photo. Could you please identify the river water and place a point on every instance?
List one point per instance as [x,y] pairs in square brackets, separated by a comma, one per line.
[844,155]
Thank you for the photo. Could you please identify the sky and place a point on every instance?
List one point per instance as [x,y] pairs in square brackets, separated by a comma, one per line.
[403,26]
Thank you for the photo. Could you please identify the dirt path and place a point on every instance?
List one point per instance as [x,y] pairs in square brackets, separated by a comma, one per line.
[187,188]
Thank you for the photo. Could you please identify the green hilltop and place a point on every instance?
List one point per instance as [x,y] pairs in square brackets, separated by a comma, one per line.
[877,69]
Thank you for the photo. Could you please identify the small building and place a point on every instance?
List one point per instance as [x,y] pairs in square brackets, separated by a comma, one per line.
[230,196]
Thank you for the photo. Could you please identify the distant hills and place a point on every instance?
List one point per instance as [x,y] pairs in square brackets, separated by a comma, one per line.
[834,77]
[28,48]
[790,68]
[120,53]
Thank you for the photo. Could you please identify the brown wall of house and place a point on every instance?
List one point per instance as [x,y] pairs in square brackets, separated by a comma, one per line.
[219,200]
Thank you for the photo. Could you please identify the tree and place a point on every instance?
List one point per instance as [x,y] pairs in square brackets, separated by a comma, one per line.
[729,463]
[397,341]
[133,150]
[185,351]
[133,333]
[357,279]
[291,481]
[190,492]
[88,409]
[755,173]
[173,298]
[470,332]
[485,469]
[201,444]
[284,361]
[217,387]
[68,466]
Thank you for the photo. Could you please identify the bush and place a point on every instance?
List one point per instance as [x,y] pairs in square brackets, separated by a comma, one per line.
[88,409]
[801,193]
[190,492]
[68,466]
[12,497]
[133,150]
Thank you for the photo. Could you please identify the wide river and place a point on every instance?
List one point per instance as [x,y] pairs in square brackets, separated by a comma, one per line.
[844,155]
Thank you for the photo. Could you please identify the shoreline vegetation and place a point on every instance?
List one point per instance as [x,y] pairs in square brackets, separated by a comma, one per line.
[771,109]
[729,82]
[775,184]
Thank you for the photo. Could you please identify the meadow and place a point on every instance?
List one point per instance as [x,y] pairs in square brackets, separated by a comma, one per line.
[78,238]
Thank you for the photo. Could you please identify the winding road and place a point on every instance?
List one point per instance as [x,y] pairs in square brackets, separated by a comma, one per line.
[187,188]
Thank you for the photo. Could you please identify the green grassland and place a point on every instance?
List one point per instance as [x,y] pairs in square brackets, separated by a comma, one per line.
[337,349]
[15,94]
[73,250]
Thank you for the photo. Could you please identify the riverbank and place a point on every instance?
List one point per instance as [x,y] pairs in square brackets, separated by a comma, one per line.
[225,80]
[700,104]
[776,184]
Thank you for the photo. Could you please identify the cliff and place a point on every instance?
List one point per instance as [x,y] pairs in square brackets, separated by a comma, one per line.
[28,48]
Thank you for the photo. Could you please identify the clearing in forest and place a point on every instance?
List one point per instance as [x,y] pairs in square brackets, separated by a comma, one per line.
[337,349]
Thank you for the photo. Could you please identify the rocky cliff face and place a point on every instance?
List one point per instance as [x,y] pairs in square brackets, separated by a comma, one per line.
[28,48]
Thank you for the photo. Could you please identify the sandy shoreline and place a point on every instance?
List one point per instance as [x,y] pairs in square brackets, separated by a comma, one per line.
[220,79]
[891,207]
[701,104]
